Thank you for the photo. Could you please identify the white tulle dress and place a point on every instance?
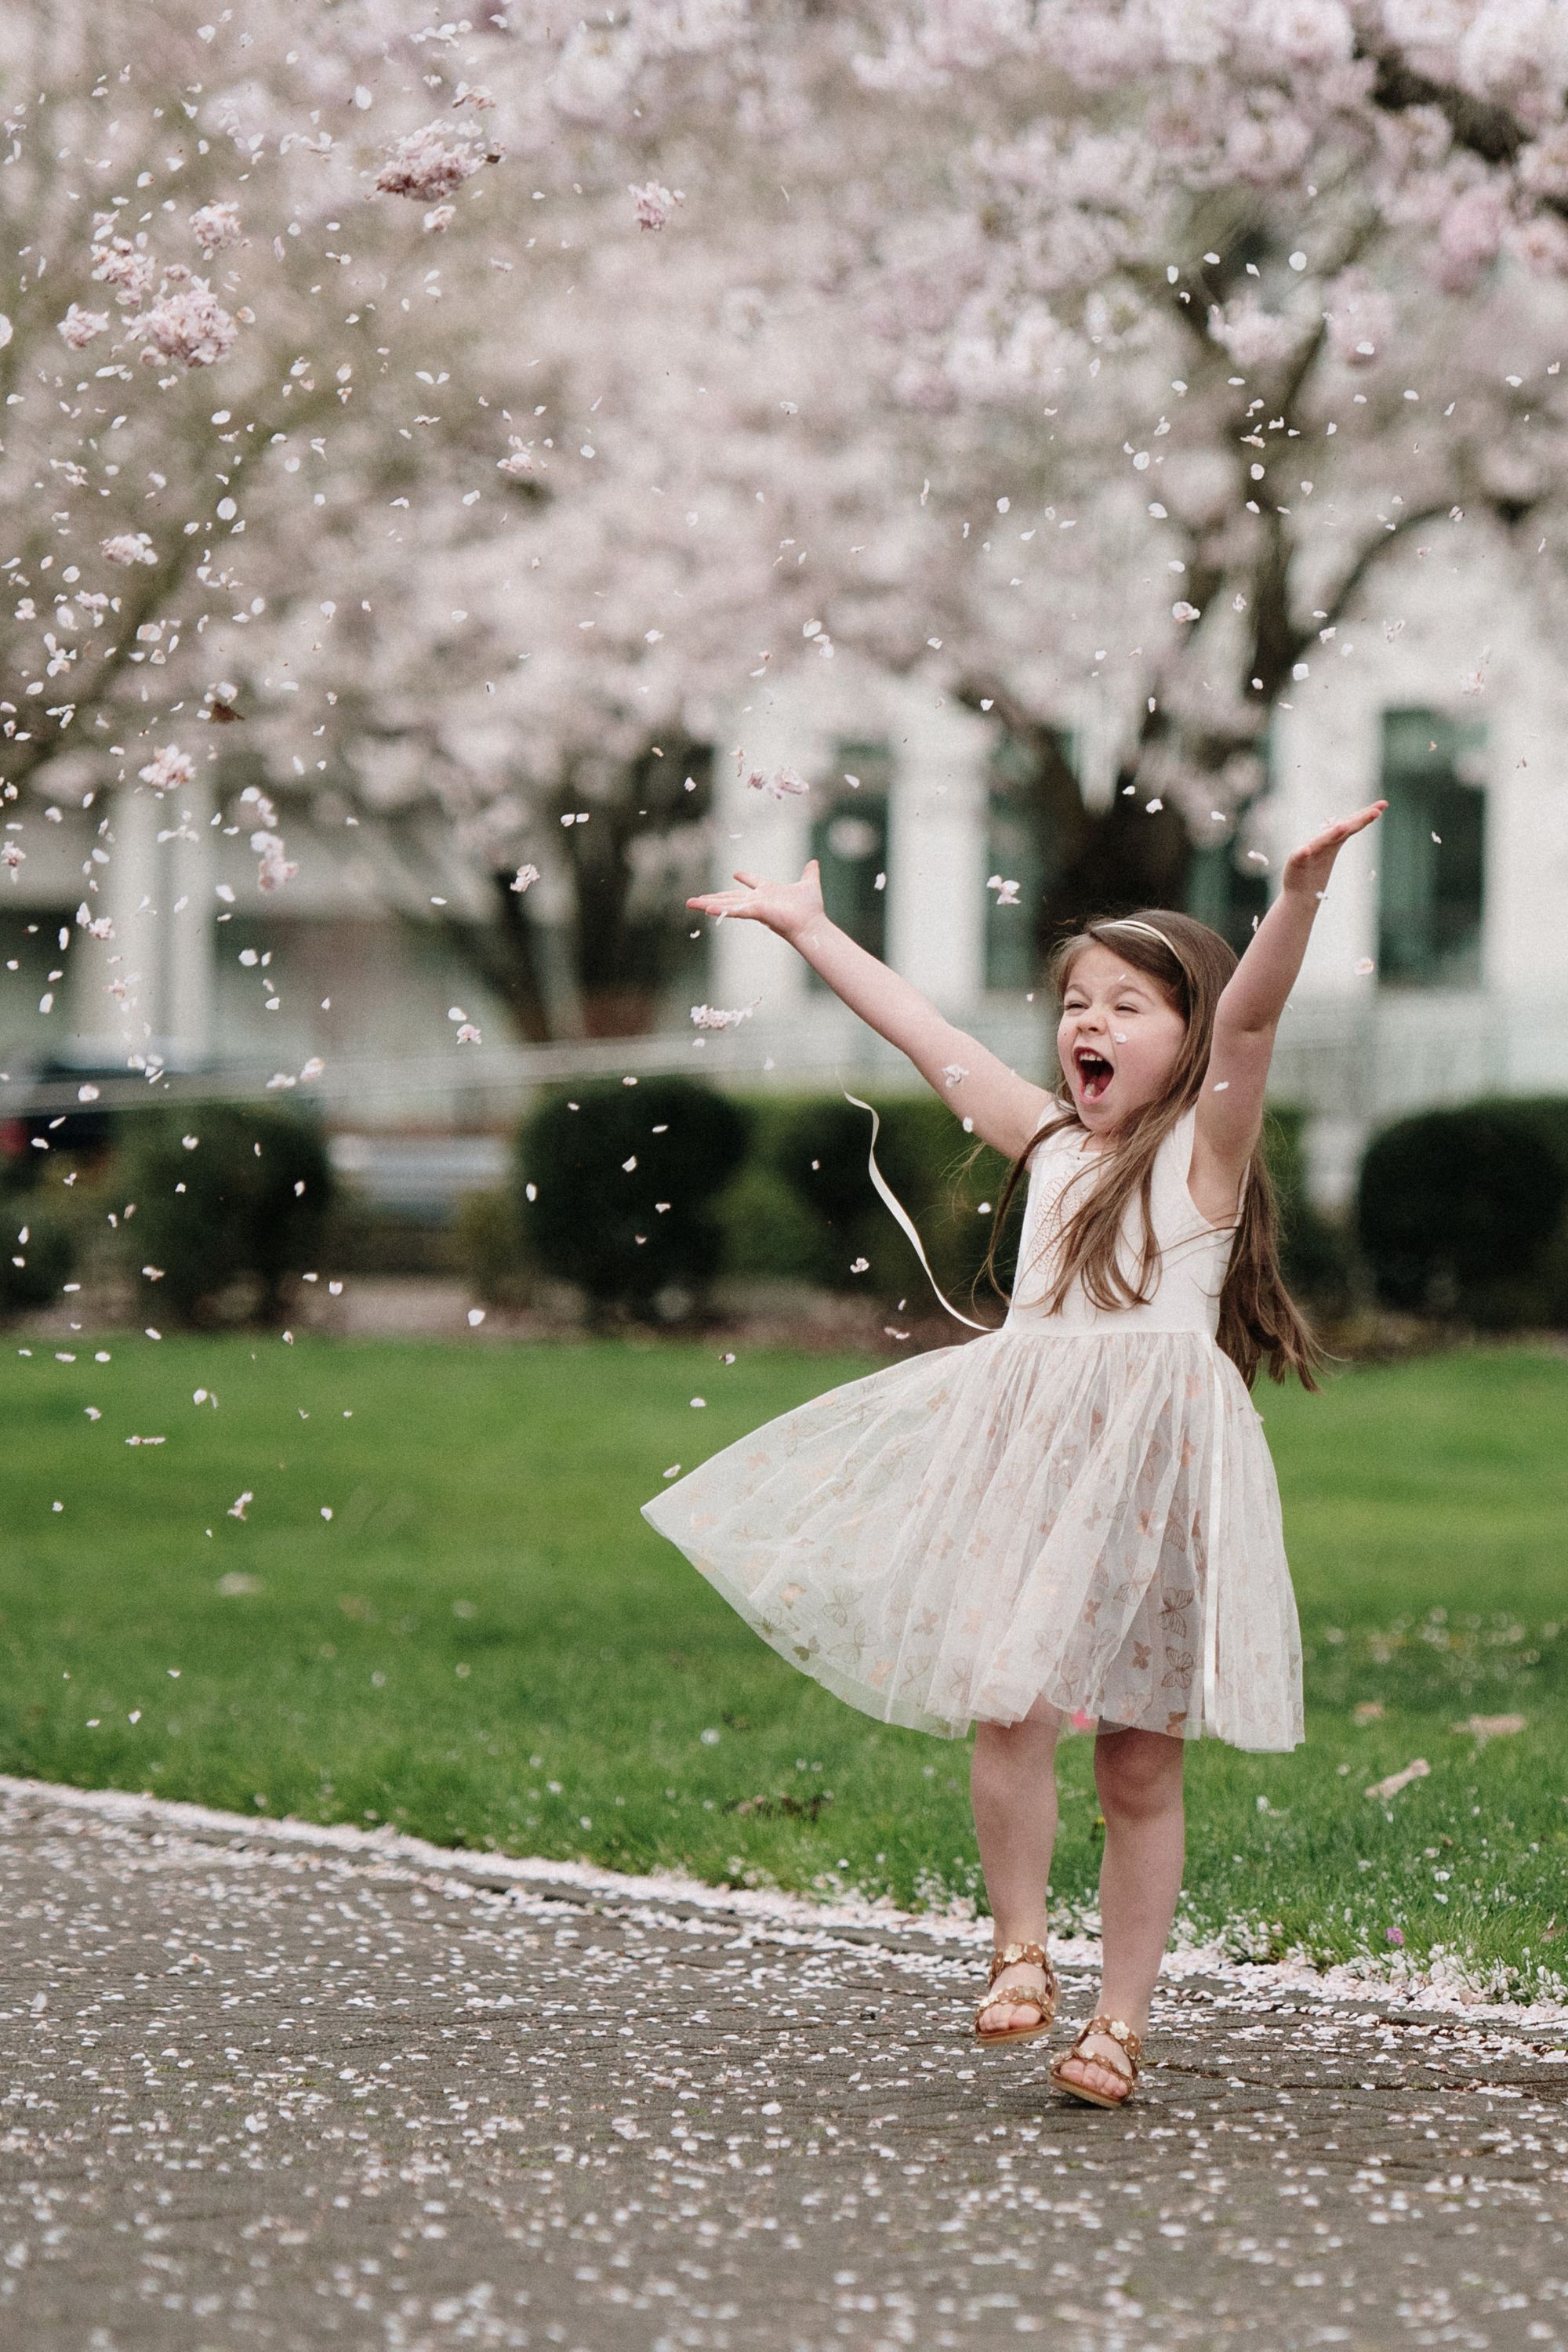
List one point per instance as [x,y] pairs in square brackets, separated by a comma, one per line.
[1078,1507]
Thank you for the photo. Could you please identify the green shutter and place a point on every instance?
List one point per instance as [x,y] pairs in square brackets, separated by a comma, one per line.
[1431,852]
[849,840]
[1021,844]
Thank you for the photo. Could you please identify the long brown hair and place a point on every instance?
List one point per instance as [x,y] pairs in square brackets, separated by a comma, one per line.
[1258,1320]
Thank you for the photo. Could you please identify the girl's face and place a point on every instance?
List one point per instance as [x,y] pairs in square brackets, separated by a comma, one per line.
[1118,1038]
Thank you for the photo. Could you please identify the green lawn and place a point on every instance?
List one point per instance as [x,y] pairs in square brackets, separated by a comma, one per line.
[486,1645]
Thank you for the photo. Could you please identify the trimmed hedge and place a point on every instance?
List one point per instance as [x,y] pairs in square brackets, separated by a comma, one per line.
[1316,1253]
[486,1245]
[816,1146]
[243,1205]
[945,1180]
[799,1205]
[38,1254]
[616,1186]
[771,1234]
[1461,1212]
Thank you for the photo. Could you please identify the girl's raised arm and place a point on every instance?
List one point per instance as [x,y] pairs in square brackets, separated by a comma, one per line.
[1002,1109]
[1230,1107]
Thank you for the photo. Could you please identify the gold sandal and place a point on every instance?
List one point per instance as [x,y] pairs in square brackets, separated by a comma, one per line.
[1019,1996]
[1131,2046]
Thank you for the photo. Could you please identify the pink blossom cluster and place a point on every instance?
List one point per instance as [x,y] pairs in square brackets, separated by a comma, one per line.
[189,325]
[1254,337]
[276,867]
[775,784]
[427,165]
[184,322]
[128,547]
[167,768]
[131,270]
[1217,93]
[216,227]
[265,842]
[654,204]
[79,327]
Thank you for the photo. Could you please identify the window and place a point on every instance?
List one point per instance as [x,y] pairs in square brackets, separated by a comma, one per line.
[1227,892]
[1022,845]
[849,839]
[1431,851]
[29,938]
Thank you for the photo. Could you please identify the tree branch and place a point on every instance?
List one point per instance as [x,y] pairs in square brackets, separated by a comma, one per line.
[1485,128]
[1373,553]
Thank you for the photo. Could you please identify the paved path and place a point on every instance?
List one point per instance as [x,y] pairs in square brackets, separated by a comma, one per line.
[263,2091]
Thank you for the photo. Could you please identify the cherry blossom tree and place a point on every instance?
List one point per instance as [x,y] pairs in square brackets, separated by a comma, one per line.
[149,202]
[1276,287]
[722,492]
[527,746]
[212,374]
[1187,319]
[480,410]
[297,218]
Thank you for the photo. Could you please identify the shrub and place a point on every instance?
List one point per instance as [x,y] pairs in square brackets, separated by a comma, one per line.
[1316,1253]
[769,1234]
[1546,1115]
[38,1254]
[244,1205]
[1458,1211]
[625,1181]
[818,1145]
[489,1248]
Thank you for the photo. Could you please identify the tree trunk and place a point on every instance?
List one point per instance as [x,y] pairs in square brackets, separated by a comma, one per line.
[625,944]
[623,940]
[1124,858]
[1100,861]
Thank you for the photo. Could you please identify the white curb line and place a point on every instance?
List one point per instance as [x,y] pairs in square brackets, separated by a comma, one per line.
[766,1907]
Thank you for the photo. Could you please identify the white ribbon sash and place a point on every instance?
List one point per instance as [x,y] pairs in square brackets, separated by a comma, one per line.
[891,1200]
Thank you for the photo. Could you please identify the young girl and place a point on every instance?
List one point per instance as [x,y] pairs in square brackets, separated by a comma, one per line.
[1078,1513]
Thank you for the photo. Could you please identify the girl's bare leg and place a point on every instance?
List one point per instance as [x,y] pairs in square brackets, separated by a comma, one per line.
[1138,1777]
[1013,1785]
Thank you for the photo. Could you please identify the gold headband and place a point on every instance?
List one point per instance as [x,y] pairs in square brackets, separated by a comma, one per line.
[1132,923]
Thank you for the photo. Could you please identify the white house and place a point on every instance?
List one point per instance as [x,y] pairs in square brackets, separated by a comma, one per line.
[1438,969]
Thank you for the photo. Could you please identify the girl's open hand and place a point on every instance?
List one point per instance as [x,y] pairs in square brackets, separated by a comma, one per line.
[786,907]
[1307,870]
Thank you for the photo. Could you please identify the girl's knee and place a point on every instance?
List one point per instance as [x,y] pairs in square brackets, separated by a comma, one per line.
[1032,1735]
[1138,1773]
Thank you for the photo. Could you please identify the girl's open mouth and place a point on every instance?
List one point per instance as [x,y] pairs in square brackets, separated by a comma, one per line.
[1094,1073]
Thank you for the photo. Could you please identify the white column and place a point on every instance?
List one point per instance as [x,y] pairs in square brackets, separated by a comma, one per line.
[936,855]
[763,835]
[88,1008]
[1332,1148]
[1326,762]
[190,971]
[1525,938]
[107,1028]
